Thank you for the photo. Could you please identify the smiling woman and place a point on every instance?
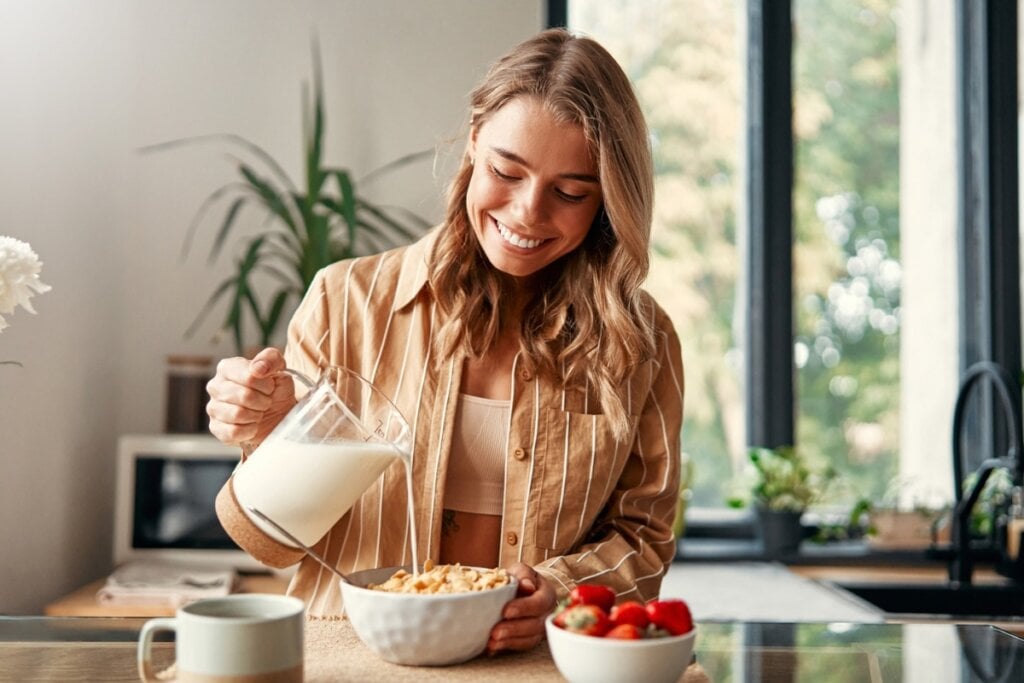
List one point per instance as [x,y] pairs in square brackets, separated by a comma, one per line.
[543,385]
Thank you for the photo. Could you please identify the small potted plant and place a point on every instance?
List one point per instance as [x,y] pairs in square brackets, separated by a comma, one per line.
[784,488]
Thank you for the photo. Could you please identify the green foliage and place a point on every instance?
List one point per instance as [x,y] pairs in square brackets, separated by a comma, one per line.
[306,227]
[993,501]
[784,481]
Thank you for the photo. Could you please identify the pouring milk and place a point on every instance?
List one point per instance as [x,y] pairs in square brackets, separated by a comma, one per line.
[326,452]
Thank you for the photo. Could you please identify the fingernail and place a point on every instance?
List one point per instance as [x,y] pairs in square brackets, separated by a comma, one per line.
[528,585]
[259,367]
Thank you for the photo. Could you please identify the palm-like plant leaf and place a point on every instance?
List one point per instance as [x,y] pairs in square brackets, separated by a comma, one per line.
[231,138]
[207,204]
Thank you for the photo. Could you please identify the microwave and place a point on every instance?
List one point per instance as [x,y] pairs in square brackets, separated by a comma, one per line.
[165,489]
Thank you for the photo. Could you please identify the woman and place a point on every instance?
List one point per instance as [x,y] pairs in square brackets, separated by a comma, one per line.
[544,387]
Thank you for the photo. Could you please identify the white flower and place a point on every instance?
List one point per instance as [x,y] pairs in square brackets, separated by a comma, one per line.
[19,277]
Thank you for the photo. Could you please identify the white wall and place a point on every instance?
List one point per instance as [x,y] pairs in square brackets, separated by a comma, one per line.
[83,85]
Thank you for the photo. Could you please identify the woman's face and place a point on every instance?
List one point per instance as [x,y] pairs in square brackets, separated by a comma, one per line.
[534,190]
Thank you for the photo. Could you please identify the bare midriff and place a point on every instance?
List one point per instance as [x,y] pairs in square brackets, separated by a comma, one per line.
[469,538]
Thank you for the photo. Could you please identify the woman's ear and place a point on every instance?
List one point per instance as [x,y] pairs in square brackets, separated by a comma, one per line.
[471,142]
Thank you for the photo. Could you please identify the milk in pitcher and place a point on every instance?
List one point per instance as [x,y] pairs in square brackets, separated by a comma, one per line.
[307,487]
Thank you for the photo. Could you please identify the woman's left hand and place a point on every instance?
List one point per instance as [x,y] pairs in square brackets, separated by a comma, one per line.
[522,625]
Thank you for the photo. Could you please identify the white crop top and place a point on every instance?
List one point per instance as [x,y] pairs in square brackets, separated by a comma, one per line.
[476,466]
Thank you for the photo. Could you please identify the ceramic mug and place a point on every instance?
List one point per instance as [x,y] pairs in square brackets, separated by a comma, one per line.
[245,638]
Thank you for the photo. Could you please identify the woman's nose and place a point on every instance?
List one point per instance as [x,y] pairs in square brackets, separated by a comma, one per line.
[529,204]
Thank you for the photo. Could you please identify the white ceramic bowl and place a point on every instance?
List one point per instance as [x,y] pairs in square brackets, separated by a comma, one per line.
[589,659]
[422,630]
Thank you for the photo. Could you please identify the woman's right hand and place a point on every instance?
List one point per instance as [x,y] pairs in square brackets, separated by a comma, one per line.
[249,397]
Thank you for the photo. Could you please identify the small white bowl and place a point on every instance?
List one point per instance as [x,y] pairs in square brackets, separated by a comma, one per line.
[589,659]
[422,629]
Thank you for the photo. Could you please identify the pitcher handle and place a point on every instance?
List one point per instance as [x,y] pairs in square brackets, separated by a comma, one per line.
[301,377]
[247,446]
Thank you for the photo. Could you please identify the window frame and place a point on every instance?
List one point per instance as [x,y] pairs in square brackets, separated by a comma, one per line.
[988,221]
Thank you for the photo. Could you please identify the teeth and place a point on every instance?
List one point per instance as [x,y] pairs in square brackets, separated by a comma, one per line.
[515,239]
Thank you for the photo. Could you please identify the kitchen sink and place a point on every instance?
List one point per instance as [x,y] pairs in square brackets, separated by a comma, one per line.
[964,602]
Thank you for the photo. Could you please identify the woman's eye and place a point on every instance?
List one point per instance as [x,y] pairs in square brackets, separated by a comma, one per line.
[499,174]
[571,197]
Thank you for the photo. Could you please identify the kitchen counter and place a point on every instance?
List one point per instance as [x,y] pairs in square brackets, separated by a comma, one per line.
[80,649]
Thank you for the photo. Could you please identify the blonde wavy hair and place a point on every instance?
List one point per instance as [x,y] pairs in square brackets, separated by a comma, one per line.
[587,322]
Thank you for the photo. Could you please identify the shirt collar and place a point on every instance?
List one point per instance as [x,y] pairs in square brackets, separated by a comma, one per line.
[415,269]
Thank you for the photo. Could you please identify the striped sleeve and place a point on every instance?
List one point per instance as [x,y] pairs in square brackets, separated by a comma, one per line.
[631,544]
[308,347]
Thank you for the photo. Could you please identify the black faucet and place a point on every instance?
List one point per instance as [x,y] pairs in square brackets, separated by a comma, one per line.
[961,564]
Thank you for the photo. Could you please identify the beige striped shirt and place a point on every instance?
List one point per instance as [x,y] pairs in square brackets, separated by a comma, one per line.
[578,505]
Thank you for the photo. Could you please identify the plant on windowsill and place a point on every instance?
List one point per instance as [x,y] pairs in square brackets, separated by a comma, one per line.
[305,228]
[992,506]
[784,487]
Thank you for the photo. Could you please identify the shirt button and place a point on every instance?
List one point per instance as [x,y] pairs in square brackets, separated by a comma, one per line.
[519,454]
[525,375]
[511,538]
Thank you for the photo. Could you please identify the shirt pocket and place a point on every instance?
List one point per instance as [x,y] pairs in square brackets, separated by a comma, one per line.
[580,464]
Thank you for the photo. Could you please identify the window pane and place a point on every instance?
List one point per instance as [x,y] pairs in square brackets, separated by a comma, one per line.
[875,252]
[685,60]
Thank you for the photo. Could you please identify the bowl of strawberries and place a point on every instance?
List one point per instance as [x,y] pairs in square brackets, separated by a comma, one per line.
[594,640]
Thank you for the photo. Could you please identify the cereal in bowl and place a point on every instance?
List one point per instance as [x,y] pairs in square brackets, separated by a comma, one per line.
[443,578]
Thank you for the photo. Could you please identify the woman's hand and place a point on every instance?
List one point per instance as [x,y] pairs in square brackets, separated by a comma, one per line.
[249,397]
[522,625]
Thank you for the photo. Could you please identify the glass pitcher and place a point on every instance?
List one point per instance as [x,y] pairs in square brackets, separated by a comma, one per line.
[323,455]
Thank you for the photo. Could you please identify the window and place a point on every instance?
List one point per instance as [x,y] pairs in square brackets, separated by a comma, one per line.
[881,176]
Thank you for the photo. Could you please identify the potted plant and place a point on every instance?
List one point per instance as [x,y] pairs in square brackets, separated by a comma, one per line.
[785,486]
[305,227]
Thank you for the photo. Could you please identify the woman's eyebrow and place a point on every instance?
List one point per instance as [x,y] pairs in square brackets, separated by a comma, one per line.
[513,157]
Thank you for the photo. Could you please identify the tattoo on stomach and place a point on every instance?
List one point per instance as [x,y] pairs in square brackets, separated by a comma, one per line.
[448,524]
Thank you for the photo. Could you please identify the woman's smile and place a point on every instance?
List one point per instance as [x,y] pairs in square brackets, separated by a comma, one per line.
[517,240]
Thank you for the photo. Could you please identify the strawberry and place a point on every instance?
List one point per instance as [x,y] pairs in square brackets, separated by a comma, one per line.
[601,596]
[625,632]
[672,615]
[630,612]
[590,620]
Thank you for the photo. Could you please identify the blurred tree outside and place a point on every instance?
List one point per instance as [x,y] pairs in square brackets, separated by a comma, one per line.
[847,238]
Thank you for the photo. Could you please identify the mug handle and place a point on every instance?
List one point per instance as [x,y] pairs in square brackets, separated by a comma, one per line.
[150,629]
